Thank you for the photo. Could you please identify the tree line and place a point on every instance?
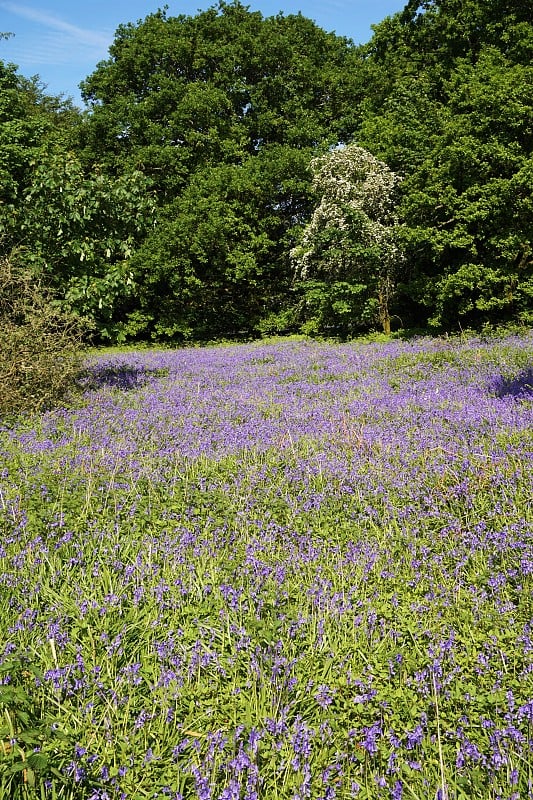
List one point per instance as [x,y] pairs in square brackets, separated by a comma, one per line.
[234,174]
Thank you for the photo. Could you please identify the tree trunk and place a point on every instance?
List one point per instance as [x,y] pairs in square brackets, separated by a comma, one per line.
[384,316]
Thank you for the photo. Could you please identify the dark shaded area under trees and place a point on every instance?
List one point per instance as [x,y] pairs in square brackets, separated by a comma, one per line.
[169,208]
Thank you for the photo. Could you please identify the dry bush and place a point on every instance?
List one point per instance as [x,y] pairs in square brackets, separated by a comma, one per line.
[40,344]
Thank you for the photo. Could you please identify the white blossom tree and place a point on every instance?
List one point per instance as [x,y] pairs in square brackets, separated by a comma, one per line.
[350,250]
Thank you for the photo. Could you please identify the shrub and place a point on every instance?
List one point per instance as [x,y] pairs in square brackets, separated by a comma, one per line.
[40,344]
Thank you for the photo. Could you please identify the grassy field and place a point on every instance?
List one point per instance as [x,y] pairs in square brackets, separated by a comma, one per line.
[273,571]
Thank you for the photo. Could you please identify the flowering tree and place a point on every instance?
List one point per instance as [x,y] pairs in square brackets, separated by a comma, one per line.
[349,253]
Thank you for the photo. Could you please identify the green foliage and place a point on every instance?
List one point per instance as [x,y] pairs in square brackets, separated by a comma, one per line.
[189,91]
[475,202]
[214,265]
[80,232]
[29,121]
[33,745]
[39,344]
[461,135]
[74,226]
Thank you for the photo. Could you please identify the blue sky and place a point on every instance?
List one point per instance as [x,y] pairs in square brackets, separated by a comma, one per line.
[63,40]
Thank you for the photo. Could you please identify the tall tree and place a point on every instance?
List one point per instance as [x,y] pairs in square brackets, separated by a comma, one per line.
[222,112]
[75,228]
[449,107]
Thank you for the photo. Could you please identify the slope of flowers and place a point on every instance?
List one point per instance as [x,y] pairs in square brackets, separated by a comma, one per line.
[293,570]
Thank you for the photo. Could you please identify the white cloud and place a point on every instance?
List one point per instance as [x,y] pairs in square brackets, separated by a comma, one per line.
[49,48]
[98,40]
